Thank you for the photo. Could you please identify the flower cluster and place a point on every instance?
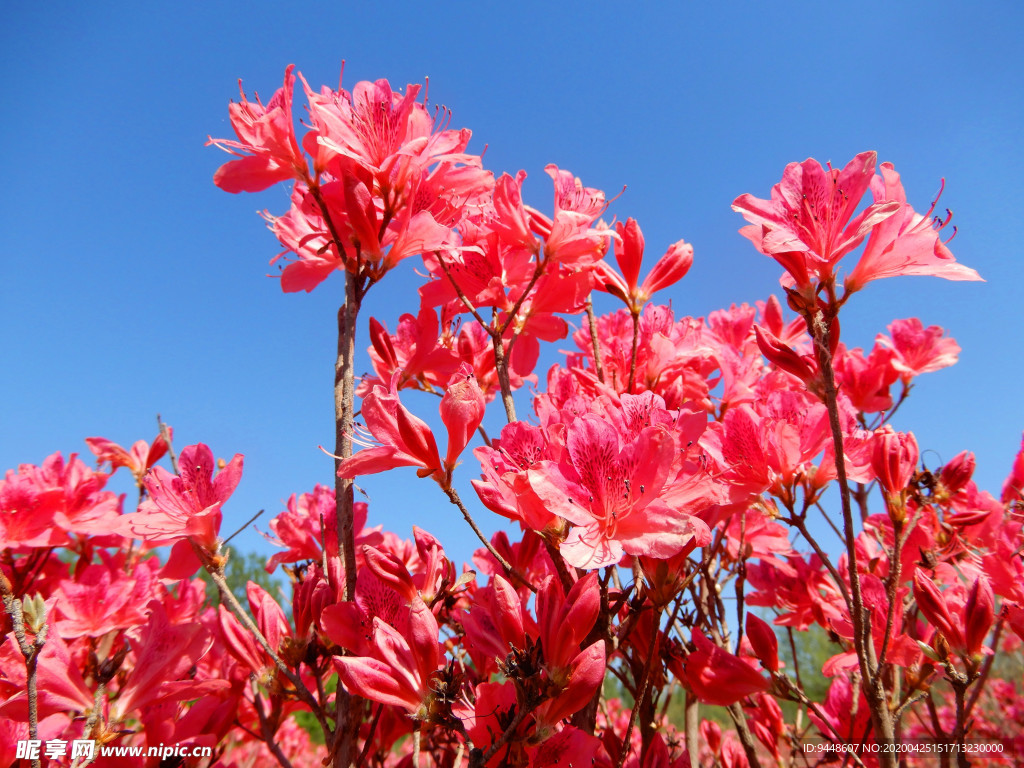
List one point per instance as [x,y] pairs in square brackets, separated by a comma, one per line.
[694,497]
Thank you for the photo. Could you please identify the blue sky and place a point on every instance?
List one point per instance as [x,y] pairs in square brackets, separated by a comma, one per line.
[134,286]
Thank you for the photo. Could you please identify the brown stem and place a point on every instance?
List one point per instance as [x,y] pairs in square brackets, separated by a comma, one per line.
[344,410]
[873,687]
[30,650]
[243,526]
[455,499]
[361,760]
[860,495]
[267,732]
[691,708]
[986,667]
[741,574]
[458,290]
[346,721]
[97,707]
[739,719]
[895,568]
[165,433]
[645,682]
[556,558]
[960,734]
[501,368]
[216,571]
[594,343]
[511,316]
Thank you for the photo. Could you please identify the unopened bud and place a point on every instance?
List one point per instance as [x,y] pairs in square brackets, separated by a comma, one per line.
[110,666]
[34,611]
[764,642]
[979,614]
[894,459]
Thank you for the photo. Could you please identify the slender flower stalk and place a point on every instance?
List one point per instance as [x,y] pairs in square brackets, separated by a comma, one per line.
[874,690]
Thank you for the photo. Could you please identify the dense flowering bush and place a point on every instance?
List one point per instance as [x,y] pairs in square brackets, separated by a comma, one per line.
[670,487]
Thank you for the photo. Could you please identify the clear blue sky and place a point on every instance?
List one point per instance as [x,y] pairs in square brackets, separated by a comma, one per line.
[134,286]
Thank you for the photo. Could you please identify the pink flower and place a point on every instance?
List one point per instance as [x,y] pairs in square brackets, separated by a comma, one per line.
[808,225]
[406,441]
[611,488]
[268,134]
[27,513]
[389,134]
[164,655]
[1013,486]
[866,380]
[629,253]
[364,238]
[186,505]
[414,350]
[918,349]
[564,622]
[399,670]
[462,410]
[906,243]
[512,222]
[718,677]
[569,238]
[138,459]
[308,528]
[784,356]
[102,598]
[962,617]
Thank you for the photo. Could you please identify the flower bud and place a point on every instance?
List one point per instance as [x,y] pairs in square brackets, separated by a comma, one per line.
[34,611]
[670,269]
[933,606]
[978,615]
[782,355]
[764,642]
[894,459]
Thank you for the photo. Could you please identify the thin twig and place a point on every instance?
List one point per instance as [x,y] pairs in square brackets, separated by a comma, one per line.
[458,291]
[501,368]
[30,650]
[268,734]
[799,524]
[166,435]
[244,525]
[691,708]
[503,739]
[90,723]
[217,574]
[511,316]
[873,687]
[559,562]
[739,719]
[369,738]
[986,667]
[594,343]
[453,496]
[895,568]
[645,682]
